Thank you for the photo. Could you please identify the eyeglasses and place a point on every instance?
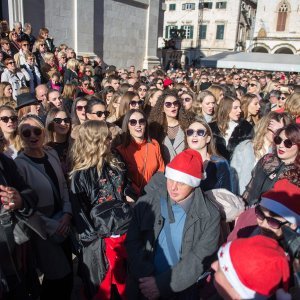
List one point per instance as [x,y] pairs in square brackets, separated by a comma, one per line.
[170,104]
[26,45]
[134,122]
[186,99]
[42,45]
[10,62]
[282,98]
[6,119]
[28,132]
[253,84]
[287,143]
[272,222]
[142,90]
[191,132]
[135,103]
[100,113]
[60,120]
[80,107]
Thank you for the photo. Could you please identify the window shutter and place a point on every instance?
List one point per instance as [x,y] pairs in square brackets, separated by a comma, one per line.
[191,31]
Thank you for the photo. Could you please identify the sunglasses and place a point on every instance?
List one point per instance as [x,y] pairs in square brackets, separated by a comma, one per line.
[287,143]
[133,122]
[6,119]
[142,90]
[186,99]
[60,120]
[36,130]
[99,113]
[272,222]
[252,84]
[169,104]
[191,132]
[80,107]
[135,103]
[282,98]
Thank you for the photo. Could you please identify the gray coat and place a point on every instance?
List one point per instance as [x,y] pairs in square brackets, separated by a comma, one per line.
[199,241]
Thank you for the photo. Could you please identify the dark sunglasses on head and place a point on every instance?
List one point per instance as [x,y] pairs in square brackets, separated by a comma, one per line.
[191,132]
[133,122]
[252,84]
[135,103]
[186,99]
[169,104]
[287,142]
[99,113]
[28,132]
[60,120]
[6,119]
[80,107]
[272,222]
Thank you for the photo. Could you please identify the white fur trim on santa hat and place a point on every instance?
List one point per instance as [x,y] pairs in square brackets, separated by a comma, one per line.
[231,275]
[281,210]
[182,177]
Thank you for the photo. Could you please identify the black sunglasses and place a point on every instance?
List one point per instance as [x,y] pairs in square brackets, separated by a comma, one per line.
[169,104]
[191,132]
[6,119]
[272,222]
[253,84]
[36,130]
[60,120]
[186,99]
[135,103]
[80,107]
[99,113]
[133,122]
[282,98]
[287,143]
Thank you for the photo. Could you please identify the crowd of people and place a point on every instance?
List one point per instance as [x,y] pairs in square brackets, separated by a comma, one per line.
[164,184]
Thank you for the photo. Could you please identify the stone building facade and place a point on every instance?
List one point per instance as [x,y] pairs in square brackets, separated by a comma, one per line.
[209,26]
[123,32]
[277,27]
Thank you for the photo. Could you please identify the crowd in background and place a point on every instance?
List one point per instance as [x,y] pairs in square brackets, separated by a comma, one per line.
[88,142]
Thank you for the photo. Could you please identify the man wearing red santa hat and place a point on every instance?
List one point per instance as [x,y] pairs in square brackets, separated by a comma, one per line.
[173,233]
[252,268]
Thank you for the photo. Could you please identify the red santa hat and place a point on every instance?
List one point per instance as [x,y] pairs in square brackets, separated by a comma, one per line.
[186,167]
[255,267]
[283,200]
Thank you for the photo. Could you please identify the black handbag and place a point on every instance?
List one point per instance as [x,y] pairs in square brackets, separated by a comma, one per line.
[111,217]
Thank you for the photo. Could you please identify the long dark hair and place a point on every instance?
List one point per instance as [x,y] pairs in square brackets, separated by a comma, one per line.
[126,137]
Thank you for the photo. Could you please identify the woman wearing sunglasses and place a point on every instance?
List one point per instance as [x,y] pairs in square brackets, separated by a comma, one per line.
[78,114]
[140,153]
[199,138]
[283,164]
[100,211]
[281,102]
[41,169]
[9,126]
[187,100]
[58,129]
[167,121]
[229,129]
[96,110]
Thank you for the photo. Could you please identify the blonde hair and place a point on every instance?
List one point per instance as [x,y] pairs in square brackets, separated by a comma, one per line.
[292,105]
[216,91]
[72,63]
[48,56]
[197,109]
[91,149]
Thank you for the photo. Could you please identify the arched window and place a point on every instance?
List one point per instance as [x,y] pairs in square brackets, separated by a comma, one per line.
[282,15]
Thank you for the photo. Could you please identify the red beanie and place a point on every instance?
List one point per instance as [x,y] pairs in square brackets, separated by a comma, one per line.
[283,200]
[256,265]
[186,167]
[167,82]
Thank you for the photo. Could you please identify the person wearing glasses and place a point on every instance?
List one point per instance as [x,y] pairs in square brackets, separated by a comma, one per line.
[96,110]
[254,88]
[167,121]
[40,50]
[78,114]
[283,164]
[19,57]
[13,75]
[5,48]
[140,153]
[58,129]
[142,91]
[41,169]
[281,102]
[199,137]
[9,128]
[187,100]
[158,83]
[85,87]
